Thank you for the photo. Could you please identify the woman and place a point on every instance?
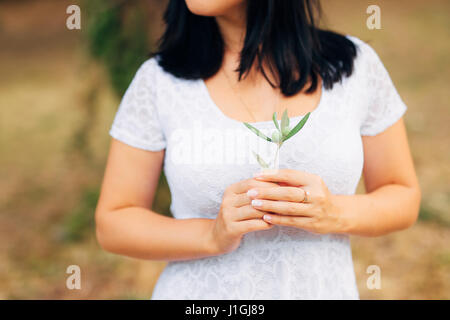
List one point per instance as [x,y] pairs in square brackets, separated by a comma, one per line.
[280,234]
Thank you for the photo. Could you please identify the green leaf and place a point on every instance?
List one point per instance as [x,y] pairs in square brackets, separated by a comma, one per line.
[257,132]
[298,127]
[260,160]
[284,122]
[276,137]
[274,118]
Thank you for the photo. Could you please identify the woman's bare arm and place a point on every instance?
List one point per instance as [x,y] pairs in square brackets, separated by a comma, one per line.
[125,224]
[391,203]
[393,194]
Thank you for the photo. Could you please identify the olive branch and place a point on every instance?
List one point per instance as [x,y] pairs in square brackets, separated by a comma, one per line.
[282,133]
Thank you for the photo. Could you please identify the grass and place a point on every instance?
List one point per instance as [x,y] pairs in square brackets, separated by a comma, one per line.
[428,214]
[78,223]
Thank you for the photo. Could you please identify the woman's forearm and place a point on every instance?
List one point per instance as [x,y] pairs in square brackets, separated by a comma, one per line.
[140,233]
[387,209]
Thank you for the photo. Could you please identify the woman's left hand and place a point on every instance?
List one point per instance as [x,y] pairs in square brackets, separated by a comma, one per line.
[302,200]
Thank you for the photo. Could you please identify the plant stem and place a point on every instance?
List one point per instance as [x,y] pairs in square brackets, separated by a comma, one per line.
[275,160]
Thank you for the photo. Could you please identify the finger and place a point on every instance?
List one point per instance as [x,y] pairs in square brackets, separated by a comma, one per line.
[305,223]
[248,212]
[282,207]
[245,185]
[288,176]
[246,226]
[241,199]
[293,194]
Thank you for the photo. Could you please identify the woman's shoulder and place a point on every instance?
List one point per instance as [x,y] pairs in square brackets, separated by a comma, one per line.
[383,104]
[361,45]
[368,67]
[366,56]
[149,67]
[152,68]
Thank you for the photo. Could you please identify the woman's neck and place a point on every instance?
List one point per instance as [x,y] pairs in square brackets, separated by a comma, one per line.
[232,26]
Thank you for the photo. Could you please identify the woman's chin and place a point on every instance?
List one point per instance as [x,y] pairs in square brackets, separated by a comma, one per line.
[211,8]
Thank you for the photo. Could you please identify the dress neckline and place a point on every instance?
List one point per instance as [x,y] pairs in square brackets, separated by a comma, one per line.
[217,110]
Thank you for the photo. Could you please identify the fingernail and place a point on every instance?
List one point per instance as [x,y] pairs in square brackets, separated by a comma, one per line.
[265,172]
[267,217]
[256,203]
[252,193]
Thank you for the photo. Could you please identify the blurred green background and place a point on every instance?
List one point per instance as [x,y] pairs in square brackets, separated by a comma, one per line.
[60,89]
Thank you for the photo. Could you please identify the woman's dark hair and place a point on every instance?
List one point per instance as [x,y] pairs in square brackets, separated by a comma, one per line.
[282,33]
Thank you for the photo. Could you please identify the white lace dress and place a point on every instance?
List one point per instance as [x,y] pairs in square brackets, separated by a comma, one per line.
[206,151]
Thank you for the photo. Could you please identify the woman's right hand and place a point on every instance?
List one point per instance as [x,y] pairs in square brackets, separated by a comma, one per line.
[237,217]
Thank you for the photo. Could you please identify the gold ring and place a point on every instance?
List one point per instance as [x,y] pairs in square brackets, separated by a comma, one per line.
[306,196]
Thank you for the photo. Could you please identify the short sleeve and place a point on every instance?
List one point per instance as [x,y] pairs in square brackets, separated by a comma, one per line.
[384,104]
[137,122]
